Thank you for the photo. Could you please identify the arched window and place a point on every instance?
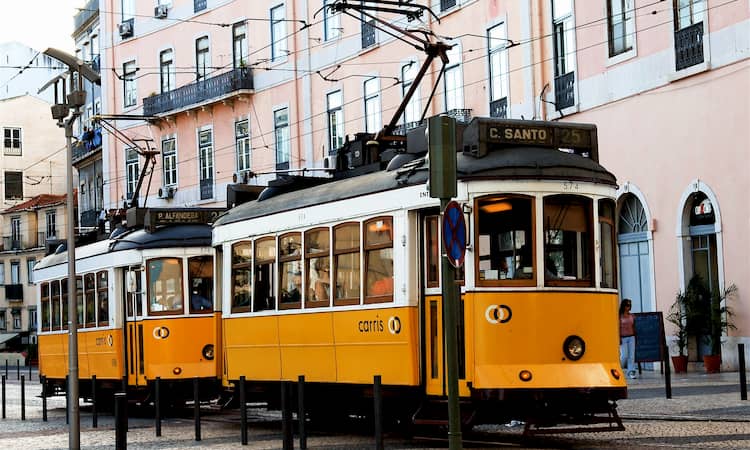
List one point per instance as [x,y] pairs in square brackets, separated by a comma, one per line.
[703,240]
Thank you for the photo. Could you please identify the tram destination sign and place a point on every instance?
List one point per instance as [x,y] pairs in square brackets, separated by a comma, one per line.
[157,217]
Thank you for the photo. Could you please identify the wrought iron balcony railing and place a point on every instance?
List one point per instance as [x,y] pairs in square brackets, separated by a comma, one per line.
[688,46]
[14,292]
[564,93]
[207,188]
[90,218]
[89,142]
[201,91]
[368,33]
[499,108]
[199,5]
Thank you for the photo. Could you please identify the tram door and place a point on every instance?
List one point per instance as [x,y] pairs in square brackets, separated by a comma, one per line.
[134,326]
[434,349]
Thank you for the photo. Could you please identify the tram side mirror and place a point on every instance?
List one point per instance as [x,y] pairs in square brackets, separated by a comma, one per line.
[132,282]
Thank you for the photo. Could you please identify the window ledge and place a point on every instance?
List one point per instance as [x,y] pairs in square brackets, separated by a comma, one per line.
[690,71]
[622,57]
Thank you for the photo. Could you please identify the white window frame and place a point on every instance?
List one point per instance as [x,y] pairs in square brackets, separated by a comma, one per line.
[282,137]
[167,72]
[626,12]
[206,155]
[2,273]
[279,49]
[129,86]
[373,113]
[15,272]
[331,23]
[242,144]
[202,56]
[497,43]
[15,229]
[13,144]
[169,161]
[132,171]
[51,222]
[453,91]
[335,114]
[413,109]
[127,10]
[30,263]
[239,45]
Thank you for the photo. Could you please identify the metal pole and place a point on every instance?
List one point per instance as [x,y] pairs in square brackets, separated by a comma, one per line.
[94,412]
[43,380]
[74,436]
[743,375]
[196,409]
[18,369]
[121,421]
[301,412]
[23,398]
[3,396]
[450,336]
[378,411]
[286,418]
[243,411]
[157,405]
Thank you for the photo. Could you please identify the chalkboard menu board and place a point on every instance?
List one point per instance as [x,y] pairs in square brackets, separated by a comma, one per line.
[649,336]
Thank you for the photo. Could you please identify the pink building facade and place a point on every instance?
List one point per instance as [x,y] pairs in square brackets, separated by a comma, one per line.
[226,91]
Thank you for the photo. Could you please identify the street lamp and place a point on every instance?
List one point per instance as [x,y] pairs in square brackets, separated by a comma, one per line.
[65,112]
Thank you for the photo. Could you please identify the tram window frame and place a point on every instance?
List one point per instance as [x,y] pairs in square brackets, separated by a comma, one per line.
[44,294]
[200,285]
[567,200]
[102,298]
[178,292]
[241,263]
[607,245]
[64,302]
[432,251]
[55,301]
[79,301]
[290,269]
[520,254]
[317,259]
[264,265]
[355,253]
[370,249]
[89,287]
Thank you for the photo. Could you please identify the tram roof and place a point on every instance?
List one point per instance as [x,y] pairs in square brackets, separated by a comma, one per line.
[500,164]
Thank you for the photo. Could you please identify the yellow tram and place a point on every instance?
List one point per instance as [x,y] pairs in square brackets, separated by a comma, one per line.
[339,280]
[144,300]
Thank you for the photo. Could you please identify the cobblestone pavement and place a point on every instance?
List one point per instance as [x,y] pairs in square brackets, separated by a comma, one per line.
[705,412]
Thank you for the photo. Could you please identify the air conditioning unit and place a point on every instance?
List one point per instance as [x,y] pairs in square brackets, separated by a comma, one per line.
[166,192]
[160,12]
[126,29]
[242,176]
[329,162]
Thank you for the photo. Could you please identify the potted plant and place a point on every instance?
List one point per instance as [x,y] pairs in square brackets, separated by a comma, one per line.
[719,319]
[678,317]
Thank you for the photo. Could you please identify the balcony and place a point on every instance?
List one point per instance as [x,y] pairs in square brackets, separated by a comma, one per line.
[499,108]
[688,46]
[90,218]
[564,91]
[88,143]
[204,91]
[14,292]
[10,243]
[207,188]
[368,33]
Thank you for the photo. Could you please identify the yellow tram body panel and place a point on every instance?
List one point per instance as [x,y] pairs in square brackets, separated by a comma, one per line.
[99,353]
[532,339]
[350,346]
[173,347]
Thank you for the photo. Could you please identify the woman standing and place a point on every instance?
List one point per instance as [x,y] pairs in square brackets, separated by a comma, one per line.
[627,338]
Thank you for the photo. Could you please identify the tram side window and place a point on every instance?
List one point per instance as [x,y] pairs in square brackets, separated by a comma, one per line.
[432,252]
[45,319]
[79,301]
[55,304]
[379,260]
[102,298]
[265,261]
[165,286]
[318,267]
[607,261]
[64,290]
[290,270]
[568,250]
[242,266]
[346,264]
[505,227]
[200,280]
[89,284]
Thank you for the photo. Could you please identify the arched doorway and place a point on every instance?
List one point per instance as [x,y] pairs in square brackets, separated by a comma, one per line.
[635,253]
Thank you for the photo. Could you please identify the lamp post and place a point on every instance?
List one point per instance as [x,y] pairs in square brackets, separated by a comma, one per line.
[65,112]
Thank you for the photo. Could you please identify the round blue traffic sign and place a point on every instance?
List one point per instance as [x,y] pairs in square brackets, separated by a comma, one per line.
[454,234]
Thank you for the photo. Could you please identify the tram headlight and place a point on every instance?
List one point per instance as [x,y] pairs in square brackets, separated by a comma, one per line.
[574,347]
[208,351]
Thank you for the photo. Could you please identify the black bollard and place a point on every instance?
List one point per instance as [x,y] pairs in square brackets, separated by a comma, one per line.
[121,421]
[29,370]
[243,411]
[157,406]
[286,418]
[23,398]
[196,409]
[743,375]
[67,398]
[6,368]
[18,369]
[378,412]
[3,396]
[43,380]
[94,412]
[301,412]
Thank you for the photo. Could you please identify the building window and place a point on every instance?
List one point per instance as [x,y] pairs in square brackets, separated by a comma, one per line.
[239,45]
[372,106]
[563,34]
[619,26]
[128,10]
[206,163]
[278,33]
[3,326]
[453,87]
[131,171]
[242,277]
[199,5]
[242,142]
[688,12]
[498,58]
[15,272]
[169,161]
[167,70]
[202,58]
[281,134]
[13,185]
[30,263]
[33,324]
[290,270]
[128,84]
[2,273]
[689,28]
[447,4]
[412,111]
[16,313]
[346,239]
[164,286]
[367,29]
[12,141]
[331,22]
[334,103]
[15,234]
[51,224]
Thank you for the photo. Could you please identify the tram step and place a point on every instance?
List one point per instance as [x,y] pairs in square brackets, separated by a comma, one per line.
[435,413]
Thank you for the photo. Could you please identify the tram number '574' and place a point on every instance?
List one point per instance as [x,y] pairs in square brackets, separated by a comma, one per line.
[498,314]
